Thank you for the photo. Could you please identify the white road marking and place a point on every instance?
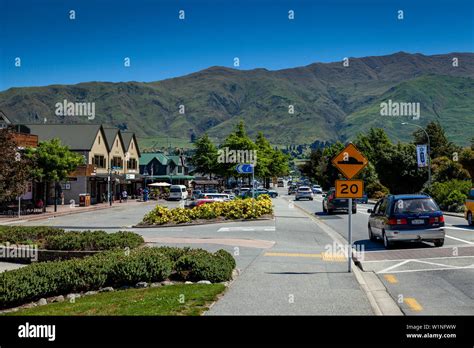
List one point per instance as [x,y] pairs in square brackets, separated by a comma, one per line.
[442,267]
[434,269]
[246,229]
[458,239]
[458,228]
[12,222]
[394,266]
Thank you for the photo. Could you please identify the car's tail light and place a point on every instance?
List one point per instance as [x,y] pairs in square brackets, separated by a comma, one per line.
[397,221]
[437,219]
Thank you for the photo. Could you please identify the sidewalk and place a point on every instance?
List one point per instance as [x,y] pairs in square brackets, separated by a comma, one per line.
[292,277]
[64,210]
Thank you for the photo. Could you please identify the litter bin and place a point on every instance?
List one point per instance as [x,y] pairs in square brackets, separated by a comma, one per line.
[84,199]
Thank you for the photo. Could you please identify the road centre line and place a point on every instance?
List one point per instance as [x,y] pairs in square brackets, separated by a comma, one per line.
[413,304]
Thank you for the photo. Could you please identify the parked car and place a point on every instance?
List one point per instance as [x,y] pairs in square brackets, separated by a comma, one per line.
[317,189]
[196,194]
[261,191]
[304,192]
[280,183]
[469,208]
[230,193]
[363,200]
[407,218]
[210,197]
[178,192]
[332,204]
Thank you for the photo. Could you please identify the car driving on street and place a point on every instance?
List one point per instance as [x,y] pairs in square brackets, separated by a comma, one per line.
[332,204]
[406,218]
[304,192]
[469,208]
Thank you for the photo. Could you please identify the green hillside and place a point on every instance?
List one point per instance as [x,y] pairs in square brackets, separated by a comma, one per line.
[331,102]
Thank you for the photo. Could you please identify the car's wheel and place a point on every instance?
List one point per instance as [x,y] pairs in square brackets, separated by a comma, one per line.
[386,243]
[310,199]
[469,219]
[439,243]
[371,235]
[354,211]
[324,209]
[329,212]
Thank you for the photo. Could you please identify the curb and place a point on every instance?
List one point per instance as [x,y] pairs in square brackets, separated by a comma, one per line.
[379,298]
[204,223]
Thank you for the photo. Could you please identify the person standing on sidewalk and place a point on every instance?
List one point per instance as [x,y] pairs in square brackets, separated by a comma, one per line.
[125,196]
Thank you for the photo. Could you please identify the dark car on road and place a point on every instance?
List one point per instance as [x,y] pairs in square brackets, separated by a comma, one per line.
[363,200]
[332,204]
[407,218]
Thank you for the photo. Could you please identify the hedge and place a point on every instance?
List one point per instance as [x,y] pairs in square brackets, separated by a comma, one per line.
[199,264]
[111,268]
[57,239]
[231,210]
[27,234]
[93,240]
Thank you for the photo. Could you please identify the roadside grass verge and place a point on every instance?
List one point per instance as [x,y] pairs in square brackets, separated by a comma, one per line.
[162,301]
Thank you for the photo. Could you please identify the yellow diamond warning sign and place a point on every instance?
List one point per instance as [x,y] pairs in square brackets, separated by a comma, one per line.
[350,161]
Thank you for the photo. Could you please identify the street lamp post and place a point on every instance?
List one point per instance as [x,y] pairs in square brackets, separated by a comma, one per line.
[429,149]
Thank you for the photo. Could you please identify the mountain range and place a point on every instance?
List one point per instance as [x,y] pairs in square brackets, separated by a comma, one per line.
[330,101]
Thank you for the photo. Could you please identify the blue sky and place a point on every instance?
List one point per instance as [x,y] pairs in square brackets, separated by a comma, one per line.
[56,50]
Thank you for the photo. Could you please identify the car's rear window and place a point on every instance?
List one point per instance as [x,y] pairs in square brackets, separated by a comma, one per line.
[304,189]
[415,205]
[175,189]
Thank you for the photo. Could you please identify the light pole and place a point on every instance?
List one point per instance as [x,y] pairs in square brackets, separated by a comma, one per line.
[429,150]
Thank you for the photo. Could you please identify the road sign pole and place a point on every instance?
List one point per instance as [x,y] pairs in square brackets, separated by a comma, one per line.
[349,252]
[253,188]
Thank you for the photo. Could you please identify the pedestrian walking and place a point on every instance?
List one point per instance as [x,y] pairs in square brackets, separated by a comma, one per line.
[125,196]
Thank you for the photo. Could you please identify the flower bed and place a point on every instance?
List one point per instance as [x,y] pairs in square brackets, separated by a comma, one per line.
[239,209]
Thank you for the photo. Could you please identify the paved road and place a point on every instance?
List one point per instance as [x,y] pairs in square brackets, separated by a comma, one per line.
[283,271]
[422,279]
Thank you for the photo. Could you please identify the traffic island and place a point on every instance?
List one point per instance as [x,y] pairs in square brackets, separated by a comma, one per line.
[248,209]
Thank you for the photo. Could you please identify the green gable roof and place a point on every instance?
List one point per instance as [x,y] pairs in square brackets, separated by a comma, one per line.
[148,157]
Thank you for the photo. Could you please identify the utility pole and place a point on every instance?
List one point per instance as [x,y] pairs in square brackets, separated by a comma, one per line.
[110,183]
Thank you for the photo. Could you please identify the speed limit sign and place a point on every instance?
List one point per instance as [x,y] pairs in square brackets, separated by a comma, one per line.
[349,188]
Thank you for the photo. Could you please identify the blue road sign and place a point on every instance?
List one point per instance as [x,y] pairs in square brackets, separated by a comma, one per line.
[244,169]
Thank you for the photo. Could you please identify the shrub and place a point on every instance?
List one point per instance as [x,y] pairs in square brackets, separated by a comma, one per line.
[27,234]
[111,268]
[231,210]
[450,195]
[93,240]
[376,190]
[198,264]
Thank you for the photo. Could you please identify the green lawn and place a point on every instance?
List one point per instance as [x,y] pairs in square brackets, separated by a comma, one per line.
[164,300]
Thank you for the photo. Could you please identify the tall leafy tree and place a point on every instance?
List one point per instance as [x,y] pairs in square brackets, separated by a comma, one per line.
[52,162]
[205,156]
[439,143]
[15,168]
[237,140]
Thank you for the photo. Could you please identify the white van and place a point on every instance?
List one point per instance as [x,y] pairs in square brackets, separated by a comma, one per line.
[178,192]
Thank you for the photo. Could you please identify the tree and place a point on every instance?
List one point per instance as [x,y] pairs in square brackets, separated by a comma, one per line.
[14,168]
[466,158]
[443,169]
[239,141]
[52,162]
[439,144]
[205,156]
[398,169]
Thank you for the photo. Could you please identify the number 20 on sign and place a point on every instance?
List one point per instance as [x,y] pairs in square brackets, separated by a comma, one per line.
[349,188]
